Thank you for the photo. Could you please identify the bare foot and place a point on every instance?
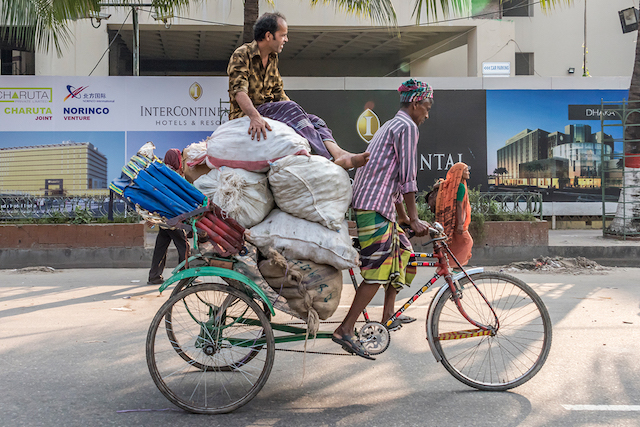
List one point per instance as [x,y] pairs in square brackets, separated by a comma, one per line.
[350,160]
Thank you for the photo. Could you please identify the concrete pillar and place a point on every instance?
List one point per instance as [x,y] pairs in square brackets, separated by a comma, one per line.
[490,41]
[80,55]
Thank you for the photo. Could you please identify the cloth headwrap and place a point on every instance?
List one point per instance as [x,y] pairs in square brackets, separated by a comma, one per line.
[415,90]
[173,159]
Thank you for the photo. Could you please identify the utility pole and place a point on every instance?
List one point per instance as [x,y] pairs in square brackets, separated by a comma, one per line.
[136,41]
[136,29]
[585,72]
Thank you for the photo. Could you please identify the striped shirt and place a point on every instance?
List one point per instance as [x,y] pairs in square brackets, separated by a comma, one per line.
[392,167]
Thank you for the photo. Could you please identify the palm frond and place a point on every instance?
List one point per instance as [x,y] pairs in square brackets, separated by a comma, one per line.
[466,7]
[379,11]
[44,24]
[547,5]
[449,8]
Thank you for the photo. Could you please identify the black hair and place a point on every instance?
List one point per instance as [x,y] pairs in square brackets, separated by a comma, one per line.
[267,23]
[408,104]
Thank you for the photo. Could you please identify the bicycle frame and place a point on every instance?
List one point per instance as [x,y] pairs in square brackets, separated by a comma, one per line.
[441,253]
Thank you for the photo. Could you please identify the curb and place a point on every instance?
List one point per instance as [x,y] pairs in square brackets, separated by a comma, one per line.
[139,257]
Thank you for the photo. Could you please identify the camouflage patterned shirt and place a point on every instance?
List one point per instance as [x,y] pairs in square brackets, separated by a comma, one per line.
[247,74]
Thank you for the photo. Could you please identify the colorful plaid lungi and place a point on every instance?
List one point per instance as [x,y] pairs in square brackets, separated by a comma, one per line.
[385,251]
[309,126]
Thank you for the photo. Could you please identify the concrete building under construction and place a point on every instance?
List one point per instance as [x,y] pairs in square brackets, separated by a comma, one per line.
[56,169]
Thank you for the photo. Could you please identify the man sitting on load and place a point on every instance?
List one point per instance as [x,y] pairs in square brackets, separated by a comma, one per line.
[256,91]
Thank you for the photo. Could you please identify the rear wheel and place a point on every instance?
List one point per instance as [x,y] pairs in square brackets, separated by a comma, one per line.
[239,356]
[509,357]
[204,366]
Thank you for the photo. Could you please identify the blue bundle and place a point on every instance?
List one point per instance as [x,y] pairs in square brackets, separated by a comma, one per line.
[156,188]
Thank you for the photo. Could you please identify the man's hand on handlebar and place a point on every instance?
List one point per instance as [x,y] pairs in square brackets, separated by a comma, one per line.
[419,227]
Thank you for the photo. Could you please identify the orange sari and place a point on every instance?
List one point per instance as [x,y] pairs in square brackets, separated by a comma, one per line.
[446,206]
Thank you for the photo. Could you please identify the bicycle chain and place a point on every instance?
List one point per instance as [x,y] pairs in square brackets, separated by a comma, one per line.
[316,352]
[322,322]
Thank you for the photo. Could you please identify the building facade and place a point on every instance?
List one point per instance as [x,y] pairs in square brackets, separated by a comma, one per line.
[57,169]
[324,42]
[537,157]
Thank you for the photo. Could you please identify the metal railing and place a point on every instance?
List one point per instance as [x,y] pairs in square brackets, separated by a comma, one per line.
[21,207]
[517,202]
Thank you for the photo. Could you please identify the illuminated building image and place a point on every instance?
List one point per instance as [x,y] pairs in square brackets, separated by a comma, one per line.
[537,157]
[69,167]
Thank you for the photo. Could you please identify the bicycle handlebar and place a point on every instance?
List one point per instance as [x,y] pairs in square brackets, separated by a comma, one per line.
[435,231]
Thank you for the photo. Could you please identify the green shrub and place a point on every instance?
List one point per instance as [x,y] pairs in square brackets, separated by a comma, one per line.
[57,217]
[482,210]
[81,216]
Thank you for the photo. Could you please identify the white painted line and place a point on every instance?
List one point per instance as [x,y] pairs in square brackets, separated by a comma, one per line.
[621,408]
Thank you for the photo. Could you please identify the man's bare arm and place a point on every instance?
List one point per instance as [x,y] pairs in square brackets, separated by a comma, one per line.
[258,125]
[421,228]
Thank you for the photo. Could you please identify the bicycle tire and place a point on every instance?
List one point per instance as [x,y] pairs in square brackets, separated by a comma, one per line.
[241,359]
[518,349]
[210,330]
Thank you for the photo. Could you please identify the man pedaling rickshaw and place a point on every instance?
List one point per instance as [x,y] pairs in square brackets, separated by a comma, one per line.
[379,190]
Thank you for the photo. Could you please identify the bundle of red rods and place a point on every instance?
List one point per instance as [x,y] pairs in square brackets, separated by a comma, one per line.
[226,234]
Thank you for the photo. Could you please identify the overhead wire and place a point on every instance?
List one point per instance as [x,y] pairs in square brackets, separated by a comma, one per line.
[347,29]
[114,39]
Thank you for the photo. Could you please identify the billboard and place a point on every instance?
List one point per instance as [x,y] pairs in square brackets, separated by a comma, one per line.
[548,139]
[455,131]
[116,114]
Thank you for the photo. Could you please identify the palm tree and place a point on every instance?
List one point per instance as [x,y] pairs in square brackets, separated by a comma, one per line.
[251,12]
[498,172]
[380,11]
[41,25]
[626,221]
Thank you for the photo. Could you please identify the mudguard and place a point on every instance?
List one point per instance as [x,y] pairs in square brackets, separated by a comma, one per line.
[250,287]
[432,308]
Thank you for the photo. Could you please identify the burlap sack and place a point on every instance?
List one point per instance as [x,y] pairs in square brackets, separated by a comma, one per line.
[311,289]
[279,274]
[191,174]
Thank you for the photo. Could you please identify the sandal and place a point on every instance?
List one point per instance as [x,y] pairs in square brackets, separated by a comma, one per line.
[406,319]
[394,326]
[352,345]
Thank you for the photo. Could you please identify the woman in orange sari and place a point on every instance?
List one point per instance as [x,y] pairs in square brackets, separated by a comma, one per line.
[453,211]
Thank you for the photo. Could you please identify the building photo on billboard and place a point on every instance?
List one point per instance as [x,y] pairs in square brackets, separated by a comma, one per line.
[554,142]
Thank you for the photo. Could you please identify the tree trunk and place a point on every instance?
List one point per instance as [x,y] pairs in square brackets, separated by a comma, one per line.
[627,219]
[251,10]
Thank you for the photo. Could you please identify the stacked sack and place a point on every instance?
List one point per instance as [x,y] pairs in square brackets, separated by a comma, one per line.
[293,204]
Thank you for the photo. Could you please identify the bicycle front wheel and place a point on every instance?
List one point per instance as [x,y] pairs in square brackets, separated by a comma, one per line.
[510,356]
[197,346]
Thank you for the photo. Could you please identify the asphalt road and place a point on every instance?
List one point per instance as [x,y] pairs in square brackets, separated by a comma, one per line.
[72,354]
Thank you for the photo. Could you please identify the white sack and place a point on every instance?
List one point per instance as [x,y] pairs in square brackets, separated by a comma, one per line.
[147,150]
[231,145]
[195,152]
[297,238]
[312,188]
[244,195]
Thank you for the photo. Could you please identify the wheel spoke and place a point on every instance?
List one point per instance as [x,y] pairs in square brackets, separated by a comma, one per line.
[520,345]
[202,354]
